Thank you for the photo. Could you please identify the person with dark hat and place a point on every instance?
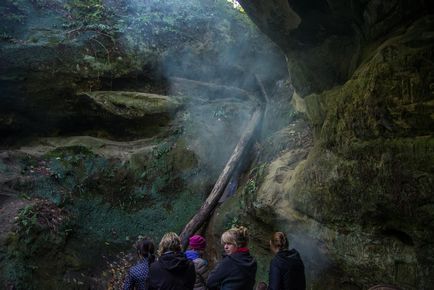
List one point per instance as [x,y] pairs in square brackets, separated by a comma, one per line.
[195,252]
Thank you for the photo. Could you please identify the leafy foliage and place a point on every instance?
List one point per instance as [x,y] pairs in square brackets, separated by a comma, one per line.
[41,230]
[90,14]
[251,186]
[256,175]
[107,203]
[12,10]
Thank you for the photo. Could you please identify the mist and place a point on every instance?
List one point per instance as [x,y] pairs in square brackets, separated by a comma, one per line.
[207,52]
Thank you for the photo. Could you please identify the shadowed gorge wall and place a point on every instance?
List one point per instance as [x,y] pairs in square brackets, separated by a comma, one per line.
[357,200]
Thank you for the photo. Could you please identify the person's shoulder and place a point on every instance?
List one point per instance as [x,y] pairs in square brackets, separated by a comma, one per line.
[155,265]
[200,262]
[138,270]
[225,261]
[228,258]
[245,256]
[281,258]
[294,254]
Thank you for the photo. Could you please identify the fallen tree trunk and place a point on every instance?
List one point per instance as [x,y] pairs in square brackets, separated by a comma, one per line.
[211,202]
[212,91]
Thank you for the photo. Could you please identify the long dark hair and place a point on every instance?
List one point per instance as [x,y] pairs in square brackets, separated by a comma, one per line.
[146,249]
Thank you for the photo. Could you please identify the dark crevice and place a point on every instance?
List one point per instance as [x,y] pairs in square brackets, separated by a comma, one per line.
[398,234]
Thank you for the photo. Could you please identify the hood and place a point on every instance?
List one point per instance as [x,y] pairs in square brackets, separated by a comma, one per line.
[244,259]
[289,257]
[174,262]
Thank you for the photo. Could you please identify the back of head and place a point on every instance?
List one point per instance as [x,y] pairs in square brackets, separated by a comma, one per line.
[237,236]
[279,241]
[169,242]
[145,248]
[197,242]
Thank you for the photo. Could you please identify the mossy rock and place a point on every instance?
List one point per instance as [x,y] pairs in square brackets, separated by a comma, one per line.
[62,152]
[134,104]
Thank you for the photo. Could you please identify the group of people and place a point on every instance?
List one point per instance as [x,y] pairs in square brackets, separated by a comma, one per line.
[177,270]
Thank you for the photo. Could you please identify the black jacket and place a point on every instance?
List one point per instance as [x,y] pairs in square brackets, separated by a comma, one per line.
[287,271]
[234,272]
[172,271]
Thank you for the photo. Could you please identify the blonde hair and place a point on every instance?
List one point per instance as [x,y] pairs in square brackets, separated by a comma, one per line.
[279,241]
[237,236]
[169,242]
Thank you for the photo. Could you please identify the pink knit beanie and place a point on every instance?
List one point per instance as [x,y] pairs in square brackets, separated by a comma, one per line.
[197,242]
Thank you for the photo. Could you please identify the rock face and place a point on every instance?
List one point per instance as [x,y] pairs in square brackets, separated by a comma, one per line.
[357,201]
[122,113]
[51,51]
[344,163]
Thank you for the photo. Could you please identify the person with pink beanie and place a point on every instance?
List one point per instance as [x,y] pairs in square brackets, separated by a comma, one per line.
[196,248]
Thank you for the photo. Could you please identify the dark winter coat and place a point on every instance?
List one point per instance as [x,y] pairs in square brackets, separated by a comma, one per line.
[235,272]
[172,271]
[287,271]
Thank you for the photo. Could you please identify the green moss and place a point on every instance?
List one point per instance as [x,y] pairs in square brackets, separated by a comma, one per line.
[184,160]
[70,152]
[88,12]
[34,249]
[110,203]
[315,105]
[132,104]
[374,102]
[155,220]
[377,180]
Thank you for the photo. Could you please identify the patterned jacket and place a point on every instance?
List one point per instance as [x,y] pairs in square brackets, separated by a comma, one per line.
[138,276]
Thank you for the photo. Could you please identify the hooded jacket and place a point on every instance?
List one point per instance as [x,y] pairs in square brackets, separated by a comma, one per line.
[234,272]
[287,271]
[172,271]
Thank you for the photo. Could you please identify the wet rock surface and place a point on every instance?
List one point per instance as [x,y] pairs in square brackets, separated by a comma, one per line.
[354,200]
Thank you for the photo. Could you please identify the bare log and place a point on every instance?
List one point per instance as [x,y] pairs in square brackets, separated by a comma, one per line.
[212,91]
[211,202]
